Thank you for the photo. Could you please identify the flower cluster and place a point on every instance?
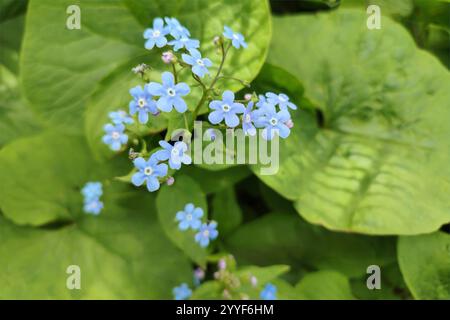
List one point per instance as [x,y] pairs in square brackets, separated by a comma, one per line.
[265,115]
[92,191]
[190,218]
[115,136]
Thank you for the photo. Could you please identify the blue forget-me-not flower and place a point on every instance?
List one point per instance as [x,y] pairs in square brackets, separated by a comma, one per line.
[226,109]
[120,116]
[156,35]
[176,154]
[199,65]
[142,103]
[206,233]
[269,292]
[182,292]
[149,171]
[115,136]
[170,93]
[190,217]
[237,39]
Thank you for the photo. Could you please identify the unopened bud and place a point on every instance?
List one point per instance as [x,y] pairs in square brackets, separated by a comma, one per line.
[248,96]
[253,281]
[168,57]
[222,264]
[199,273]
[170,181]
[218,40]
[140,69]
[289,123]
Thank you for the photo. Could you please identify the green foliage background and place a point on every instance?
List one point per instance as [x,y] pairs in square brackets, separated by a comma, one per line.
[364,176]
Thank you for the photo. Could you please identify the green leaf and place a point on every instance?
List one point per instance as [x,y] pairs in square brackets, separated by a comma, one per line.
[325,285]
[263,274]
[425,264]
[216,181]
[226,211]
[383,140]
[169,201]
[284,238]
[60,76]
[122,254]
[42,177]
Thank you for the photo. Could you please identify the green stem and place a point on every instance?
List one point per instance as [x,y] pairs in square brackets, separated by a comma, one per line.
[174,71]
[205,92]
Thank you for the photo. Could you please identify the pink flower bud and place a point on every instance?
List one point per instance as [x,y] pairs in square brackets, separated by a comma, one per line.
[222,264]
[248,96]
[170,181]
[168,57]
[289,123]
[253,281]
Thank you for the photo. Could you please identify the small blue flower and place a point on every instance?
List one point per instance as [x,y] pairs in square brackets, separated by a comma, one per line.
[189,218]
[149,171]
[114,137]
[170,93]
[272,122]
[93,207]
[281,99]
[120,116]
[182,292]
[92,191]
[184,42]
[262,103]
[237,39]
[226,109]
[142,103]
[199,65]
[269,292]
[206,233]
[176,154]
[247,120]
[157,35]
[176,30]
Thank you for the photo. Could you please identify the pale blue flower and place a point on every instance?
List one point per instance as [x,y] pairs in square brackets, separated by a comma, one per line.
[226,109]
[184,42]
[199,65]
[176,154]
[142,103]
[176,29]
[92,191]
[269,292]
[120,116]
[93,207]
[170,93]
[206,233]
[149,171]
[156,35]
[115,136]
[273,122]
[182,292]
[190,217]
[281,100]
[237,39]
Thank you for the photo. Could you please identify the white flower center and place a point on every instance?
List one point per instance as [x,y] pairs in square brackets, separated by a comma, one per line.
[156,33]
[226,108]
[273,121]
[247,118]
[189,217]
[235,36]
[171,92]
[206,233]
[148,171]
[200,62]
[115,135]
[141,103]
[175,151]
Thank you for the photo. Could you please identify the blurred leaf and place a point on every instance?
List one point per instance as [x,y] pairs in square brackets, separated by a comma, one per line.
[393,286]
[122,254]
[42,177]
[72,62]
[170,200]
[325,285]
[283,238]
[216,181]
[425,264]
[226,211]
[384,136]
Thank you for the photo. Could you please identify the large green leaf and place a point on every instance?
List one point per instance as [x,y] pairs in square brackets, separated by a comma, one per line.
[425,264]
[284,238]
[325,285]
[42,177]
[169,201]
[226,211]
[60,76]
[122,254]
[377,162]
